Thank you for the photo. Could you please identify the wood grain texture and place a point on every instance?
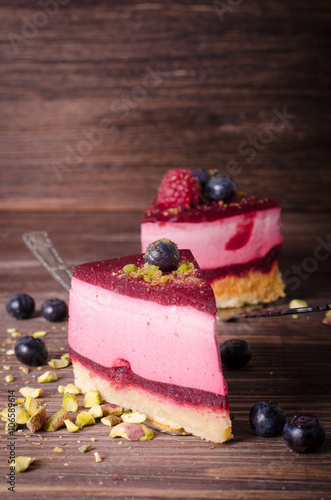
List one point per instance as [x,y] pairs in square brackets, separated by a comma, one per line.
[86,125]
[290,364]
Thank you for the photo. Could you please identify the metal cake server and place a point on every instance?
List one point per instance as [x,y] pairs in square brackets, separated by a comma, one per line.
[42,247]
[281,312]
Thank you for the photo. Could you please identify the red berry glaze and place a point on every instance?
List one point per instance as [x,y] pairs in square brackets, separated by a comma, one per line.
[179,188]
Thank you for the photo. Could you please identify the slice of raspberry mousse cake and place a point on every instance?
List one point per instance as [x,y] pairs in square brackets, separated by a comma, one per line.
[142,331]
[234,237]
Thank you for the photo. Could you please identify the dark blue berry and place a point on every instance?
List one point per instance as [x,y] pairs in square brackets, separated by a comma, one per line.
[31,351]
[304,433]
[267,419]
[235,353]
[54,310]
[20,305]
[162,253]
[202,175]
[220,188]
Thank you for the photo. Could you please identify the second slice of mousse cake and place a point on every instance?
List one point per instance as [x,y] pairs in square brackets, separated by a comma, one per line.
[142,331]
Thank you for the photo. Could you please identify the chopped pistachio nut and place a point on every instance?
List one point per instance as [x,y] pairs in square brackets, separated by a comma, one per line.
[111,420]
[71,427]
[298,303]
[71,389]
[96,411]
[20,400]
[58,363]
[11,330]
[31,405]
[37,420]
[85,448]
[110,409]
[70,402]
[84,418]
[61,389]
[56,421]
[7,367]
[47,377]
[65,356]
[129,268]
[10,352]
[21,415]
[23,463]
[132,432]
[9,378]
[92,398]
[97,457]
[15,335]
[30,391]
[57,449]
[36,335]
[24,369]
[134,418]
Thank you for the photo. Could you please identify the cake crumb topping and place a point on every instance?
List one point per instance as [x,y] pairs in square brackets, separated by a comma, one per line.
[185,272]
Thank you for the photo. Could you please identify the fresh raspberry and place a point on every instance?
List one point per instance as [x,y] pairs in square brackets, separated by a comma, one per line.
[179,188]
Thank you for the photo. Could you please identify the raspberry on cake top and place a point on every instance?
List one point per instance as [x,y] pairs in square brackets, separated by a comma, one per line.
[235,238]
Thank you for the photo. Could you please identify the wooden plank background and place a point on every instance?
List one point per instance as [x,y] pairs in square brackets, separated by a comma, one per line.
[86,125]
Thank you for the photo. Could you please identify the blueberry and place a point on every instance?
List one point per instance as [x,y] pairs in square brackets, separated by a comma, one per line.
[54,310]
[20,305]
[235,353]
[31,351]
[162,253]
[267,419]
[202,175]
[220,188]
[304,433]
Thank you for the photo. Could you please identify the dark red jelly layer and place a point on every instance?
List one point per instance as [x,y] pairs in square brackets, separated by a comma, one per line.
[193,291]
[264,265]
[207,213]
[123,376]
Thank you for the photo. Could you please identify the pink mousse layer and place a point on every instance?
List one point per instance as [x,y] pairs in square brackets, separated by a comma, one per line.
[223,242]
[115,322]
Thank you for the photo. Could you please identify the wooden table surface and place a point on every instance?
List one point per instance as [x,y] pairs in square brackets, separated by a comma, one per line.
[290,365]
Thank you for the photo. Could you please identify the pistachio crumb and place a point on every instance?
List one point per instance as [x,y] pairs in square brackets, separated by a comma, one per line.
[9,378]
[10,352]
[97,457]
[36,335]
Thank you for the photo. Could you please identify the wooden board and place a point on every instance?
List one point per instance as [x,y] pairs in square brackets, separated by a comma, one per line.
[290,365]
[85,125]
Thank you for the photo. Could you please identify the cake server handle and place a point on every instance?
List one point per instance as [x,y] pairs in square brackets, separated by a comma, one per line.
[282,312]
[42,247]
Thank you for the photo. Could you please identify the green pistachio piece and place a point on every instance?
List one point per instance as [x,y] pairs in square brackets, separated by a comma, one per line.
[71,389]
[298,303]
[132,432]
[84,418]
[111,420]
[96,411]
[71,427]
[56,421]
[23,463]
[31,405]
[97,456]
[37,420]
[92,398]
[110,409]
[47,377]
[134,418]
[85,448]
[58,363]
[70,402]
[30,391]
[57,449]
